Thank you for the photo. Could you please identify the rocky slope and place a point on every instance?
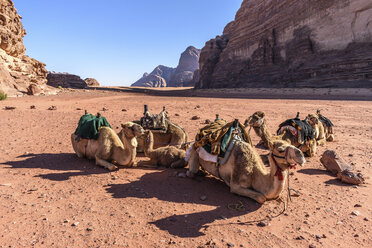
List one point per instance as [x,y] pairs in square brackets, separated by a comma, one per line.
[17,71]
[183,75]
[292,43]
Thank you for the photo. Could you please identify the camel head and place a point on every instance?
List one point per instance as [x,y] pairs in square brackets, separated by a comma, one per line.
[255,120]
[312,119]
[309,147]
[286,155]
[131,130]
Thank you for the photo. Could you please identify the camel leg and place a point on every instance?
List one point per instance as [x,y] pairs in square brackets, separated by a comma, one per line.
[193,163]
[257,196]
[331,137]
[321,142]
[147,164]
[178,164]
[105,164]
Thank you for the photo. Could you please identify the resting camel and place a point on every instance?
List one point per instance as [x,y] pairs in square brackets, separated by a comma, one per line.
[174,136]
[258,122]
[246,173]
[318,127]
[109,147]
[168,156]
[327,125]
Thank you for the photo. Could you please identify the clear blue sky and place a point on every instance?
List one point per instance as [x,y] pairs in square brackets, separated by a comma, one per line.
[116,41]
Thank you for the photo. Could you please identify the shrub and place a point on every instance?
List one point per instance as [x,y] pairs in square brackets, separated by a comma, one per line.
[3,96]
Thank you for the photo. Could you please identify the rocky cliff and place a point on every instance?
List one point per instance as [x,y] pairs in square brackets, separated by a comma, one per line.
[292,43]
[17,71]
[183,75]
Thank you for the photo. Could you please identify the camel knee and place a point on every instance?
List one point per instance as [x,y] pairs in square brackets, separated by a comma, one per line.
[178,164]
[257,196]
[331,137]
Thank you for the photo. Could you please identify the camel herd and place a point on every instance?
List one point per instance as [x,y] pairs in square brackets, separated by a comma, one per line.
[242,168]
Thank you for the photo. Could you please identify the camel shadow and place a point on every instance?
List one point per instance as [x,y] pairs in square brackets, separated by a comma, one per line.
[314,172]
[68,163]
[167,188]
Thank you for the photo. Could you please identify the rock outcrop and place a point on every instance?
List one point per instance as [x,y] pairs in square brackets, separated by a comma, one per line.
[183,75]
[65,80]
[17,71]
[292,43]
[91,82]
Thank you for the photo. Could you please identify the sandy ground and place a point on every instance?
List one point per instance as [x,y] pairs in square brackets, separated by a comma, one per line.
[51,198]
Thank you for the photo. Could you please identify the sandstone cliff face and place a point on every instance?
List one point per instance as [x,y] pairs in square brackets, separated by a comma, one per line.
[17,71]
[65,80]
[183,75]
[292,43]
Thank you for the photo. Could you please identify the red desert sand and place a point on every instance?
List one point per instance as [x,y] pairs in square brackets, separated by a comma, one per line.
[51,198]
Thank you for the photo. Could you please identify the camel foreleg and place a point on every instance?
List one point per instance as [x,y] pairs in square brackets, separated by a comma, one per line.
[105,164]
[257,196]
[178,164]
[321,142]
[193,163]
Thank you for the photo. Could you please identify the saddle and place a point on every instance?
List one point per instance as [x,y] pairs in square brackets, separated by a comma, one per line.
[154,121]
[216,136]
[89,125]
[324,119]
[304,130]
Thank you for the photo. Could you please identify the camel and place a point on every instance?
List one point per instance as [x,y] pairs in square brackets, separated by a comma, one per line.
[168,156]
[110,147]
[174,136]
[258,122]
[327,125]
[318,127]
[245,173]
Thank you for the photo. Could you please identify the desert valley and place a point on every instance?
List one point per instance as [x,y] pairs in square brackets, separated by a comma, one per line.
[53,196]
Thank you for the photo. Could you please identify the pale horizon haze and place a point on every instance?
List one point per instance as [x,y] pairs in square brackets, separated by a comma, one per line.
[118,40]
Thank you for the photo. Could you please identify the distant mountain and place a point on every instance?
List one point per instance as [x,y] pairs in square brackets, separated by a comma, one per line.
[183,75]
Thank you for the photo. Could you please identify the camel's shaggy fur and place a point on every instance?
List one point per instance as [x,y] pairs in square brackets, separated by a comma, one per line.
[110,147]
[168,156]
[245,172]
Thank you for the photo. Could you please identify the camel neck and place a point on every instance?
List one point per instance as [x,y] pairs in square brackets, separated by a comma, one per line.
[263,133]
[129,148]
[273,179]
[149,144]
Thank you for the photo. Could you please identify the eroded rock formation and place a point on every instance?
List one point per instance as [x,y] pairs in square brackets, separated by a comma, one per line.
[65,80]
[17,71]
[183,75]
[292,43]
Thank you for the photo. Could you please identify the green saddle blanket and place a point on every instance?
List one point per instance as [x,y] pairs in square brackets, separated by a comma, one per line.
[89,125]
